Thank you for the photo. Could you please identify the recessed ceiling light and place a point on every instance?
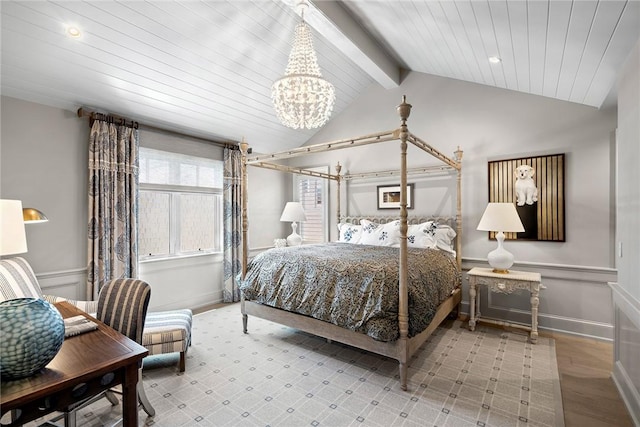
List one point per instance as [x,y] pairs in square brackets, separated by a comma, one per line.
[73,31]
[495,59]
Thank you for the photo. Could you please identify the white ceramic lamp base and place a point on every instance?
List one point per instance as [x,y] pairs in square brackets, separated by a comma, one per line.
[294,239]
[500,259]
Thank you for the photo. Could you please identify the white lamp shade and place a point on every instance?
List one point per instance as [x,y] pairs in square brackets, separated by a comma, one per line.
[13,239]
[293,212]
[500,217]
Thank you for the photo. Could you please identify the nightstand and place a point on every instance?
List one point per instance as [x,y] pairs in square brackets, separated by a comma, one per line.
[505,283]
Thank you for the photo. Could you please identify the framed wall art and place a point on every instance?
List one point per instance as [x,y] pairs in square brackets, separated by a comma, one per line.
[389,196]
[536,186]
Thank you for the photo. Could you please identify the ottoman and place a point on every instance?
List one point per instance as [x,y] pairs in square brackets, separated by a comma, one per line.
[168,332]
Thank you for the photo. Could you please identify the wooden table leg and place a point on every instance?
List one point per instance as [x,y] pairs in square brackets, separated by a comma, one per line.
[130,396]
[535,301]
[472,304]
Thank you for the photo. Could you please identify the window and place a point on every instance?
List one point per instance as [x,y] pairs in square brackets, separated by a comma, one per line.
[180,205]
[311,192]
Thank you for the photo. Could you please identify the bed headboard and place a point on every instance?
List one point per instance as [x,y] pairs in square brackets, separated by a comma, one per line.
[446,220]
[440,220]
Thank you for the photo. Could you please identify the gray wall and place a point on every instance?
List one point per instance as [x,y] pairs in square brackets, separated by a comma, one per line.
[626,292]
[43,162]
[490,124]
[487,123]
[269,191]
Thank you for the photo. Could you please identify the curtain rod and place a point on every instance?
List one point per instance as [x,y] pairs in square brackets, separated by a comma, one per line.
[92,115]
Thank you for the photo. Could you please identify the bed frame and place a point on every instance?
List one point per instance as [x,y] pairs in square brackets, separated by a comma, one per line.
[404,347]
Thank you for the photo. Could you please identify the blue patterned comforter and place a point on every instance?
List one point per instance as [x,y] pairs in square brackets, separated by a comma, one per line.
[352,286]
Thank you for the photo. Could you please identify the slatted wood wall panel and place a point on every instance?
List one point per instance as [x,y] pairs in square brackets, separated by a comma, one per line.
[550,181]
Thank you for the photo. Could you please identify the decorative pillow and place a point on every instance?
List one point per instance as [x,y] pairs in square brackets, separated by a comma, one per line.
[444,238]
[380,235]
[350,233]
[422,235]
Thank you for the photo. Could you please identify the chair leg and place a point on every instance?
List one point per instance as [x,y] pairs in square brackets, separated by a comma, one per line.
[111,397]
[142,396]
[69,415]
[182,361]
[70,419]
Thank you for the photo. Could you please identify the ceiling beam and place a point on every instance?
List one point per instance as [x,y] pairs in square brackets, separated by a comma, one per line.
[335,24]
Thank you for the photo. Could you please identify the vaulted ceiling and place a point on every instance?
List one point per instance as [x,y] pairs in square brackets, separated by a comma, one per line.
[205,68]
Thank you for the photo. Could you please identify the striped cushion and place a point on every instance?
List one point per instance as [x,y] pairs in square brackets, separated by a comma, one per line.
[167,331]
[17,280]
[90,307]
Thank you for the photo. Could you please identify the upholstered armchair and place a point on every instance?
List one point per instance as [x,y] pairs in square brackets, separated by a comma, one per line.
[17,280]
[164,331]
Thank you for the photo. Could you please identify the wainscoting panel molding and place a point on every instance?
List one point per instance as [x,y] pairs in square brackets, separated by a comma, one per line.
[626,363]
[70,284]
[576,299]
[187,282]
[180,283]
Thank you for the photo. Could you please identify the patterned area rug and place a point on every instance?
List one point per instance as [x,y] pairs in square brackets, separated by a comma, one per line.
[277,376]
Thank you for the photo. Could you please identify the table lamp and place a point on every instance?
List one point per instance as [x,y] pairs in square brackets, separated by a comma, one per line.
[13,239]
[500,217]
[293,212]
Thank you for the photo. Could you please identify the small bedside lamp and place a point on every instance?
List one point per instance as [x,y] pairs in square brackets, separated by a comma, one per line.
[293,212]
[500,217]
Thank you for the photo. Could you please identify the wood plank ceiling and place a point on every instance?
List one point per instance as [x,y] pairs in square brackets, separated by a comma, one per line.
[206,67]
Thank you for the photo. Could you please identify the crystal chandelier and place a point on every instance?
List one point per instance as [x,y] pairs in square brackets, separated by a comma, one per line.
[302,98]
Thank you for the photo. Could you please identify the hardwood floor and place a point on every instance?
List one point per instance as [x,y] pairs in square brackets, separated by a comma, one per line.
[589,395]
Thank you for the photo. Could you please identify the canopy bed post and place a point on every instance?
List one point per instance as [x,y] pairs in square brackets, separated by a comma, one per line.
[404,110]
[244,149]
[458,154]
[338,181]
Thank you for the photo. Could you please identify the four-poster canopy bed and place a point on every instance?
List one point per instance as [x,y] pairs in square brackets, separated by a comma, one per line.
[417,307]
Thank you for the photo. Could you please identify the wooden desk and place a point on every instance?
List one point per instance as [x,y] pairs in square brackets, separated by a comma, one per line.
[85,365]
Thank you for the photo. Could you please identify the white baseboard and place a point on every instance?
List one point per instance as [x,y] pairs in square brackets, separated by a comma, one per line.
[552,323]
[194,302]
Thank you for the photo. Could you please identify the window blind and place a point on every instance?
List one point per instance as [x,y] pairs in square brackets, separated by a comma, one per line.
[312,194]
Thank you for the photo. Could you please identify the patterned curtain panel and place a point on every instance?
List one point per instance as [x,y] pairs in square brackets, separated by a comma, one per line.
[232,223]
[113,204]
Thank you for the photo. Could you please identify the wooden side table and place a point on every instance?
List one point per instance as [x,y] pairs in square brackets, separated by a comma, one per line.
[505,283]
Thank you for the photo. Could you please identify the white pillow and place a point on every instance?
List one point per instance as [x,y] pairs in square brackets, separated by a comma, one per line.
[380,235]
[444,238]
[431,235]
[350,233]
[422,235]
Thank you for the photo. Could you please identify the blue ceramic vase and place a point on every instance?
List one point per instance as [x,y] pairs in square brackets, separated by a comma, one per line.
[31,334]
